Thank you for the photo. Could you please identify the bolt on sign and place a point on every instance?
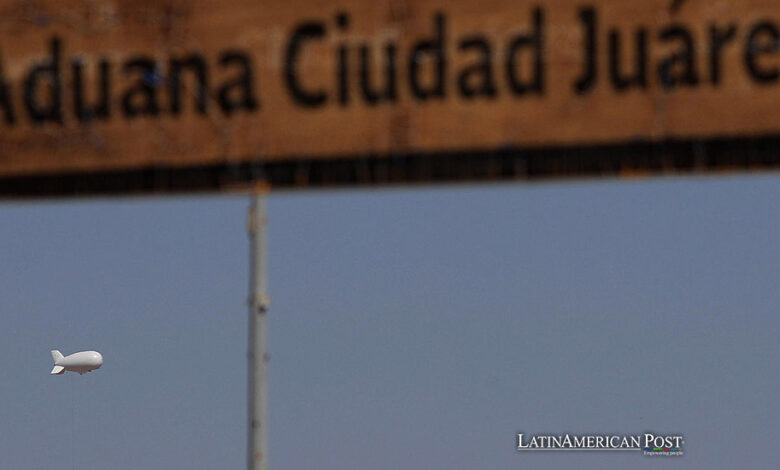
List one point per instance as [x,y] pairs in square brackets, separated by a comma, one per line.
[120,86]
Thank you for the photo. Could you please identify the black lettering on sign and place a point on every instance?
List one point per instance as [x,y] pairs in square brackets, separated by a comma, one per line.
[372,95]
[445,61]
[342,72]
[679,68]
[638,77]
[430,52]
[238,92]
[477,79]
[141,98]
[47,71]
[100,110]
[763,39]
[304,33]
[589,75]
[719,39]
[672,53]
[533,42]
[5,99]
[196,64]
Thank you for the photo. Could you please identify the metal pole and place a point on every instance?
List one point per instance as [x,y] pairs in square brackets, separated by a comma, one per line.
[257,447]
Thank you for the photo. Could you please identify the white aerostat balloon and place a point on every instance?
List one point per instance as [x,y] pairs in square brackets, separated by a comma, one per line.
[81,362]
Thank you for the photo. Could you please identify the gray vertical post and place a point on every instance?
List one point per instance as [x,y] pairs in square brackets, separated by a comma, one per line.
[257,447]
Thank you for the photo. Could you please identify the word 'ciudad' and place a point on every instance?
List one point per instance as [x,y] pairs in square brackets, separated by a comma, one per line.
[438,65]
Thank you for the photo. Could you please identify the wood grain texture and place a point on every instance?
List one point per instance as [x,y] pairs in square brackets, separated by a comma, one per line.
[725,87]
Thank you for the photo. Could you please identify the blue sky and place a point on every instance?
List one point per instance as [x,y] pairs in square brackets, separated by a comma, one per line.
[409,328]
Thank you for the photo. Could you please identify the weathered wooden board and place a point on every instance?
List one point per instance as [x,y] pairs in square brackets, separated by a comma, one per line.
[114,85]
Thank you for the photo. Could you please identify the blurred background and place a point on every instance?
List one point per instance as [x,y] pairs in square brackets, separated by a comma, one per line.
[416,328]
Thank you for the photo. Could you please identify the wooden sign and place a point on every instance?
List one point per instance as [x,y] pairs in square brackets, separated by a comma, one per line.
[90,86]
